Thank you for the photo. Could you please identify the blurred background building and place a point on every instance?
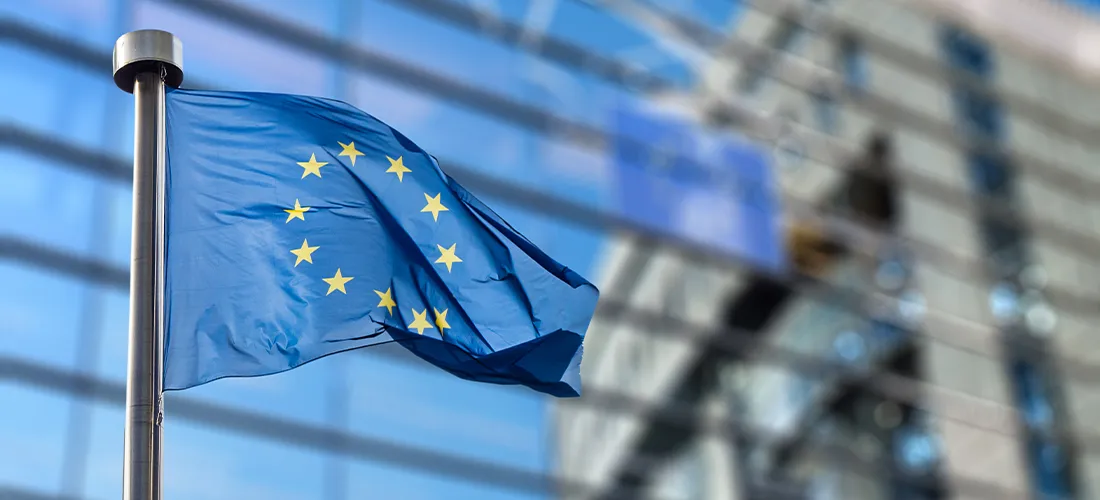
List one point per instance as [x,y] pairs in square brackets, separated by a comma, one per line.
[846,248]
[966,368]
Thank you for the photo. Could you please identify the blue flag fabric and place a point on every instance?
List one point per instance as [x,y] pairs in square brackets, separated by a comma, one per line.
[299,227]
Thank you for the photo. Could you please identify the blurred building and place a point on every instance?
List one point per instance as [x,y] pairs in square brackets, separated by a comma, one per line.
[970,354]
[361,425]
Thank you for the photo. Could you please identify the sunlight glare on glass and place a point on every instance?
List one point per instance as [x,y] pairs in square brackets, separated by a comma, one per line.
[912,306]
[917,451]
[1004,302]
[1034,276]
[850,346]
[1040,318]
[890,275]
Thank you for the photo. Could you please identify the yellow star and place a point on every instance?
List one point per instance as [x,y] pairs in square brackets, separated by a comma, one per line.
[337,282]
[447,256]
[441,319]
[387,301]
[298,212]
[349,151]
[305,253]
[420,321]
[312,166]
[398,167]
[434,206]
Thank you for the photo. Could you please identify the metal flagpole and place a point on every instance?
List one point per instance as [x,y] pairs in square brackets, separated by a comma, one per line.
[145,62]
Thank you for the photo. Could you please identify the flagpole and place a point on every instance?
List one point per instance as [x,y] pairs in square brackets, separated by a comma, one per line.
[145,62]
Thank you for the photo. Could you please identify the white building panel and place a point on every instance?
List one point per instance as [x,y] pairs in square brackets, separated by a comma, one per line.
[1090,474]
[953,296]
[931,158]
[890,21]
[1018,75]
[975,454]
[856,125]
[910,89]
[930,221]
[1067,270]
[755,27]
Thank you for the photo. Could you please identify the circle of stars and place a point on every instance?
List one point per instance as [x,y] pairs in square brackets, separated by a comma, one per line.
[339,282]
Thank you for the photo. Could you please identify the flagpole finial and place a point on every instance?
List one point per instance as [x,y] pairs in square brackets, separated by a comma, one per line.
[147,50]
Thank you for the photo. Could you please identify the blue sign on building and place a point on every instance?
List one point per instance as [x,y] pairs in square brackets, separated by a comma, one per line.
[711,188]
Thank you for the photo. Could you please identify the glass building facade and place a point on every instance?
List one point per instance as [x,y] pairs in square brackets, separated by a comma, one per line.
[961,368]
[376,423]
[1002,345]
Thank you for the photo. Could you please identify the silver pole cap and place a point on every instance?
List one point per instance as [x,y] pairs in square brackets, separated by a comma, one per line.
[147,50]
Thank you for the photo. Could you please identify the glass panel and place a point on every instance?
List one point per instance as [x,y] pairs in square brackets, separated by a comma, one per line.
[891,274]
[473,58]
[717,14]
[423,41]
[785,38]
[682,476]
[967,52]
[789,35]
[119,208]
[825,112]
[1048,461]
[417,404]
[221,55]
[32,434]
[618,37]
[1049,469]
[853,64]
[1004,302]
[298,394]
[380,480]
[53,204]
[916,449]
[39,318]
[103,463]
[980,114]
[205,463]
[1005,243]
[1031,395]
[573,245]
[1039,317]
[115,331]
[215,464]
[60,100]
[320,15]
[120,123]
[991,175]
[851,347]
[92,21]
[486,145]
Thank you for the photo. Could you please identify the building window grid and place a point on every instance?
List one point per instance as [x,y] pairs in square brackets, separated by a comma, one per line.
[908,436]
[852,63]
[826,111]
[120,0]
[784,39]
[1034,386]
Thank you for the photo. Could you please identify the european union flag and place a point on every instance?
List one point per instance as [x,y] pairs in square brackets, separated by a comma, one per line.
[299,227]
